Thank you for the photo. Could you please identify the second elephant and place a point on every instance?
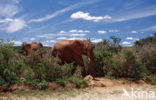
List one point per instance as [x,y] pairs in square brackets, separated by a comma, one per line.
[32,47]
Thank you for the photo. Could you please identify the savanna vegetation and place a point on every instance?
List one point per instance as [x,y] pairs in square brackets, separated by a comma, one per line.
[112,61]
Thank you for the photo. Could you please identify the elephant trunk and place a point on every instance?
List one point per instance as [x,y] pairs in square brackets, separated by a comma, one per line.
[91,68]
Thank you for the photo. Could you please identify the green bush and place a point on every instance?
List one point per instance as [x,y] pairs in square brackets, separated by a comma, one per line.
[127,67]
[102,62]
[78,81]
[149,60]
[10,65]
[36,83]
[120,65]
[61,81]
[47,68]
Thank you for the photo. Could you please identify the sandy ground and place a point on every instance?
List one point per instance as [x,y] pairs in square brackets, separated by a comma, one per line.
[103,89]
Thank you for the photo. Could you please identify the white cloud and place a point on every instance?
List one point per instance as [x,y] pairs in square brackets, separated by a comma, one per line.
[8,22]
[59,12]
[86,31]
[62,31]
[50,41]
[129,38]
[63,34]
[87,16]
[9,8]
[102,32]
[15,25]
[151,28]
[76,38]
[44,44]
[135,14]
[79,31]
[46,35]
[134,32]
[72,30]
[61,38]
[16,43]
[81,35]
[10,25]
[126,43]
[114,30]
[96,40]
[32,39]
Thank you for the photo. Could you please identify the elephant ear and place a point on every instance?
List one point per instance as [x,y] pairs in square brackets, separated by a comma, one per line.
[40,45]
[77,46]
[27,46]
[77,43]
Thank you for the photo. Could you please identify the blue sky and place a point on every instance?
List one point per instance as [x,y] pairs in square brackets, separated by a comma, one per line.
[49,21]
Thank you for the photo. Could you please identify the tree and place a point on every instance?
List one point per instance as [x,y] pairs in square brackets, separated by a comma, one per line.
[116,40]
[116,44]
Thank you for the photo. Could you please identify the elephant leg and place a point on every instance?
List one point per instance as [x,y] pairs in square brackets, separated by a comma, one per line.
[79,61]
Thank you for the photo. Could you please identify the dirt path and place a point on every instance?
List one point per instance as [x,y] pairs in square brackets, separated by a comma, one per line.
[103,89]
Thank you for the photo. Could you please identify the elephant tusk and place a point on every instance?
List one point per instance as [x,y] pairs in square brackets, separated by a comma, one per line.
[89,59]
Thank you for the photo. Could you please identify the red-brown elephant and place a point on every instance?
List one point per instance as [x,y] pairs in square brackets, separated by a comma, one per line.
[72,50]
[32,47]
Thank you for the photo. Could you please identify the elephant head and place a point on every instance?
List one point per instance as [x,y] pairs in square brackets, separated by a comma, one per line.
[32,47]
[88,51]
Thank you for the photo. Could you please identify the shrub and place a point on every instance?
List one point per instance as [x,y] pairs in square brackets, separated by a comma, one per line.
[126,66]
[61,81]
[101,63]
[10,65]
[78,81]
[113,68]
[131,67]
[36,83]
[47,68]
[149,60]
[42,85]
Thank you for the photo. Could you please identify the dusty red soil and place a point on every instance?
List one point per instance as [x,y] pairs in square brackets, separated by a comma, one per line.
[99,89]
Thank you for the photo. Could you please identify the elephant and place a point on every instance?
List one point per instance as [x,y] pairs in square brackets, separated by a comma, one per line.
[72,50]
[32,47]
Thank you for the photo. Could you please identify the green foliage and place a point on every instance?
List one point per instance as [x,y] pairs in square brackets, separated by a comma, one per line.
[104,54]
[33,69]
[40,68]
[146,41]
[127,67]
[113,68]
[102,62]
[20,49]
[78,81]
[10,65]
[117,66]
[61,81]
[47,68]
[106,45]
[149,60]
[42,85]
